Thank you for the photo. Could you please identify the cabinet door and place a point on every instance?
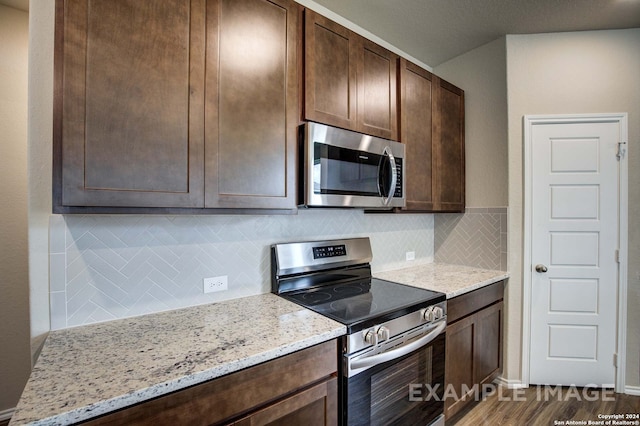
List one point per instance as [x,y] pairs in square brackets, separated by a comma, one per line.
[129,103]
[331,56]
[488,356]
[314,406]
[251,104]
[459,366]
[448,146]
[416,98]
[377,88]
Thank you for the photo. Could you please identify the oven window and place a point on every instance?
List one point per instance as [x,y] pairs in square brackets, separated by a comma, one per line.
[344,171]
[389,395]
[382,394]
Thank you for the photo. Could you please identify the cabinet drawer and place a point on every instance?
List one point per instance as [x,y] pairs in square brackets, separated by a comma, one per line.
[235,394]
[468,303]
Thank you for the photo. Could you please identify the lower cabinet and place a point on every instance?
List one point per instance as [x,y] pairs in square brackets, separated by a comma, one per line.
[308,407]
[299,388]
[474,345]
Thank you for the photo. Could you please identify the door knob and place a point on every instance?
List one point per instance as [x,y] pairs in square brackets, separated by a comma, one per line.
[541,268]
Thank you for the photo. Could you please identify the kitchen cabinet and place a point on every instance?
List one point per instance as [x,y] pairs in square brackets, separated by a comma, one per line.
[175,104]
[416,110]
[299,388]
[474,344]
[350,82]
[432,128]
[251,106]
[448,147]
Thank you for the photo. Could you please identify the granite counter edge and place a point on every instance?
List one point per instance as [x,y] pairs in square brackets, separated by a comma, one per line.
[476,286]
[114,404]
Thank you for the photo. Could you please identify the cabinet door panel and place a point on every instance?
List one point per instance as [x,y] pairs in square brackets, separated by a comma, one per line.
[251,104]
[314,406]
[128,83]
[377,86]
[449,143]
[416,98]
[489,339]
[459,367]
[330,72]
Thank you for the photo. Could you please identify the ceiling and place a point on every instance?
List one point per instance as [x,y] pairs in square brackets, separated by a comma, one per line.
[17,4]
[434,31]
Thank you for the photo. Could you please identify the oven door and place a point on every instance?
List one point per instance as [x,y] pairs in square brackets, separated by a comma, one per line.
[408,390]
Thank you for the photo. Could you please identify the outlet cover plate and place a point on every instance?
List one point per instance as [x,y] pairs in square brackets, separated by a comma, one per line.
[215,284]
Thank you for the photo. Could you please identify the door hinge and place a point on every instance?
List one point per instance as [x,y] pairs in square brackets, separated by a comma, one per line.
[615,360]
[617,256]
[621,150]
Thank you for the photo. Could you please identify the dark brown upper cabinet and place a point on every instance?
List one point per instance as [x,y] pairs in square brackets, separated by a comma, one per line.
[175,104]
[251,104]
[129,128]
[448,147]
[350,82]
[416,109]
[432,128]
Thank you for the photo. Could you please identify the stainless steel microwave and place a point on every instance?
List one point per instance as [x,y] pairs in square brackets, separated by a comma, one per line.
[341,168]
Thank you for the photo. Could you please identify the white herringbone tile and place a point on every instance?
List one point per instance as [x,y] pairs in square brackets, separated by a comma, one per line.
[473,239]
[121,266]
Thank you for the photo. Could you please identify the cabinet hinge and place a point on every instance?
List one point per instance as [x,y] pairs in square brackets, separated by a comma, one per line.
[621,150]
[617,256]
[615,360]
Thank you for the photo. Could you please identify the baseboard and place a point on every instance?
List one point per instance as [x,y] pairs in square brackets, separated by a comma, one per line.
[5,416]
[632,390]
[510,384]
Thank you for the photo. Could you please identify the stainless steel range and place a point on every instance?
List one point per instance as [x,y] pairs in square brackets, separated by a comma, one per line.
[392,369]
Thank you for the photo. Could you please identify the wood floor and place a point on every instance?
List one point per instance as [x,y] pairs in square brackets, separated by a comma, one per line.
[550,406]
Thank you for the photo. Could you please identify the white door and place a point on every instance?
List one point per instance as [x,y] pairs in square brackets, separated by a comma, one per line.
[574,238]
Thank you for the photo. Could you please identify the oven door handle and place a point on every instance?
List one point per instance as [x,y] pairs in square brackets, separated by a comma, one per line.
[399,352]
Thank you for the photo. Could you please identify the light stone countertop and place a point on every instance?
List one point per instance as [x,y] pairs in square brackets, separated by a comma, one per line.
[453,280]
[91,370]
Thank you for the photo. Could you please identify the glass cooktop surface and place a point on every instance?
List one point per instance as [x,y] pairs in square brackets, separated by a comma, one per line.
[363,303]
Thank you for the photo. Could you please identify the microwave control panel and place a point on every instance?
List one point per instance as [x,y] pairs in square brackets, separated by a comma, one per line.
[398,191]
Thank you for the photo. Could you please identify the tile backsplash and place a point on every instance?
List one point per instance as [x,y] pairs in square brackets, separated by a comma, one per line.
[476,238]
[108,267]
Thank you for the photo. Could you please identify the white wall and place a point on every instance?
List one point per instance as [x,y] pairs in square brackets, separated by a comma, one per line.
[15,362]
[565,73]
[40,129]
[482,73]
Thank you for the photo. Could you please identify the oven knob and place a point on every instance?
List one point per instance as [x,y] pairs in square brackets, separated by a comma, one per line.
[438,312]
[427,315]
[371,337]
[383,333]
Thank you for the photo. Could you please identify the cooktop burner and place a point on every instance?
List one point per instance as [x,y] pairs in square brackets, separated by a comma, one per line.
[363,303]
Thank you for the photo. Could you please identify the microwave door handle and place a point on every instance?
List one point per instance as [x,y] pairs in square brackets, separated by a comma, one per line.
[370,361]
[394,175]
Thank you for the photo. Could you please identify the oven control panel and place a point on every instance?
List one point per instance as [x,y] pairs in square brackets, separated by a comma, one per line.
[329,251]
[386,333]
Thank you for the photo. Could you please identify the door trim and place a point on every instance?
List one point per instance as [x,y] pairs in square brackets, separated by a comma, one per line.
[529,122]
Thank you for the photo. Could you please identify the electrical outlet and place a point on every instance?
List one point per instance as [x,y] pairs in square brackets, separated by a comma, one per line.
[411,255]
[215,284]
